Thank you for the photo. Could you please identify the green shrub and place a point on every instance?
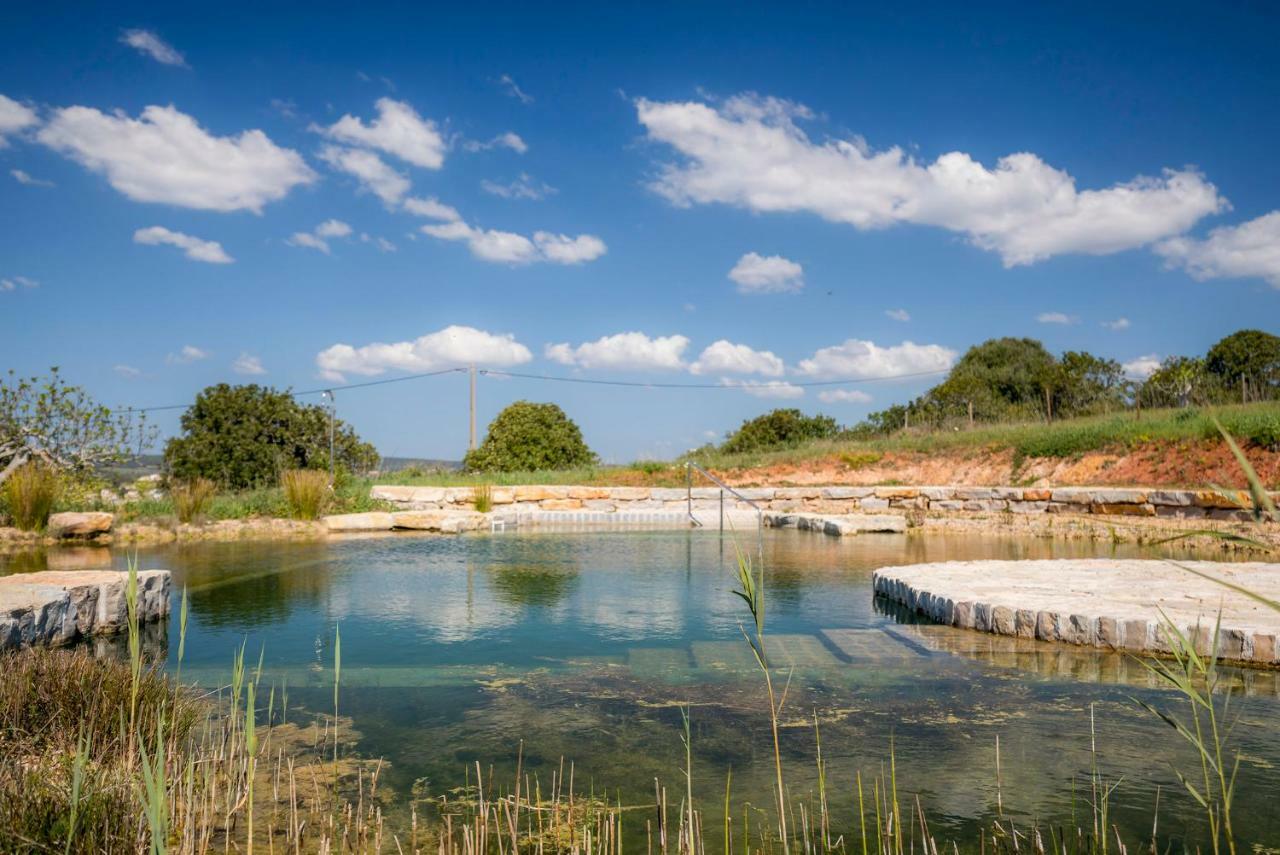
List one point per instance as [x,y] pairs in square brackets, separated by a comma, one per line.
[482,498]
[529,437]
[650,467]
[243,436]
[860,459]
[306,491]
[783,428]
[29,492]
[191,498]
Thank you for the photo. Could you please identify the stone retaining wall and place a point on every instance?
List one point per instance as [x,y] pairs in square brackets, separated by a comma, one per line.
[57,607]
[1224,505]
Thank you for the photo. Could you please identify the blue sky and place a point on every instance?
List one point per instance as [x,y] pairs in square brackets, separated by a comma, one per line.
[735,196]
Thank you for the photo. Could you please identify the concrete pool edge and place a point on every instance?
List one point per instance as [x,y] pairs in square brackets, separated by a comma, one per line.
[1110,604]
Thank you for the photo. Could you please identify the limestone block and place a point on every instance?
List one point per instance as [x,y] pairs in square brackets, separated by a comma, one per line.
[873,503]
[1176,498]
[1122,509]
[561,505]
[833,492]
[369,521]
[623,494]
[536,493]
[581,493]
[80,524]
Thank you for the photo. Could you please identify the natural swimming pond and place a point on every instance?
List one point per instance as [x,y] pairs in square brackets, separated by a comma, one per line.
[585,645]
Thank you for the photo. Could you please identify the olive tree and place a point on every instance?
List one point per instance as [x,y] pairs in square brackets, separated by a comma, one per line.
[49,420]
[529,437]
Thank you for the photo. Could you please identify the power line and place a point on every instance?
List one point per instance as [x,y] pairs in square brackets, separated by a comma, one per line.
[635,384]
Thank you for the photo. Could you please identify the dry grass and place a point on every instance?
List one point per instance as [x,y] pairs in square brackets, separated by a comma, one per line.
[191,498]
[306,491]
[482,497]
[29,494]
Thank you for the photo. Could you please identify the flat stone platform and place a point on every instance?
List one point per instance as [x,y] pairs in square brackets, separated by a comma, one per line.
[1112,604]
[57,607]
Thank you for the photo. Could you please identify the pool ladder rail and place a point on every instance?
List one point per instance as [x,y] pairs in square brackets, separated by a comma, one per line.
[689,469]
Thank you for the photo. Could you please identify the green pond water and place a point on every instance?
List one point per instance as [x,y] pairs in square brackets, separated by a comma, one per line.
[583,646]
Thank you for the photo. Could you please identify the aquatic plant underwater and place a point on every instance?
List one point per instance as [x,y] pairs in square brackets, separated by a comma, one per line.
[98,755]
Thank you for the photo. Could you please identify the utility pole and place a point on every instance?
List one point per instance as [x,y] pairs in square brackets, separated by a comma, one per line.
[328,393]
[472,444]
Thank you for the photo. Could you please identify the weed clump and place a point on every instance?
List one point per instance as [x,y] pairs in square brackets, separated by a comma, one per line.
[29,494]
[306,491]
[191,498]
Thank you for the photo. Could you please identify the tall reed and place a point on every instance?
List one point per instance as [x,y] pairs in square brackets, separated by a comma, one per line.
[482,497]
[191,498]
[29,492]
[306,491]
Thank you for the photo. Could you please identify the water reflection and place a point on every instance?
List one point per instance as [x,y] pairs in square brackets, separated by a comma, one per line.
[582,645]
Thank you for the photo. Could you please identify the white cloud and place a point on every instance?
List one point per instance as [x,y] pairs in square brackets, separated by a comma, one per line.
[371,171]
[126,371]
[308,240]
[858,359]
[725,357]
[1056,318]
[147,42]
[398,130]
[752,153]
[247,363]
[319,238]
[13,283]
[381,243]
[509,140]
[1249,249]
[524,187]
[628,351]
[333,229]
[208,251]
[26,178]
[189,353]
[511,248]
[165,156]
[452,346]
[1117,325]
[765,388]
[898,314]
[515,91]
[14,117]
[844,396]
[773,274]
[432,208]
[1142,367]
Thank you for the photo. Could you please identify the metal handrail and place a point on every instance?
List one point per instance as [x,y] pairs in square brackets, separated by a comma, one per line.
[689,468]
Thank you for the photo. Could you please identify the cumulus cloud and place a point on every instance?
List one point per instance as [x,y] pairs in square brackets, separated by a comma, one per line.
[431,208]
[1117,325]
[452,346]
[26,178]
[628,351]
[509,140]
[13,283]
[14,117]
[370,170]
[751,152]
[524,187]
[1142,367]
[398,131]
[856,359]
[147,42]
[189,353]
[208,251]
[725,357]
[1056,318]
[506,247]
[319,238]
[1229,252]
[509,86]
[248,364]
[844,396]
[165,156]
[898,314]
[773,274]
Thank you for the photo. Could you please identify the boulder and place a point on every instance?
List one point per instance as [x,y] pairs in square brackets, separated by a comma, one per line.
[57,607]
[80,523]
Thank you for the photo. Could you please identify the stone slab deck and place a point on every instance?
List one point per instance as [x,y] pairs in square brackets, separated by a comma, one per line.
[58,607]
[1111,604]
[839,525]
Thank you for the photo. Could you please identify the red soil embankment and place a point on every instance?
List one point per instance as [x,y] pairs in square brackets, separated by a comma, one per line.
[1186,463]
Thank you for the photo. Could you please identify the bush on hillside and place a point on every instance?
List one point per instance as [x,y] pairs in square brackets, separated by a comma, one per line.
[529,437]
[782,428]
[245,436]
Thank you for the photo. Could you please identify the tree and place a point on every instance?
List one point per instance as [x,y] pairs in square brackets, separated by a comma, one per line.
[49,420]
[1178,382]
[781,428]
[1002,377]
[529,437]
[1248,358]
[1088,384]
[244,436]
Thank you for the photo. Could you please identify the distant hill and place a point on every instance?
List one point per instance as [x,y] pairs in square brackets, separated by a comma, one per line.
[149,464]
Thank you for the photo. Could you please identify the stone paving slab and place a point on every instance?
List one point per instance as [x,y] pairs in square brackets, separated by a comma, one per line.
[839,525]
[1112,604]
[873,644]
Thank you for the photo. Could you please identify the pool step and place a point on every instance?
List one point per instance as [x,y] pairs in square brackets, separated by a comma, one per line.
[862,644]
[785,651]
[662,663]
